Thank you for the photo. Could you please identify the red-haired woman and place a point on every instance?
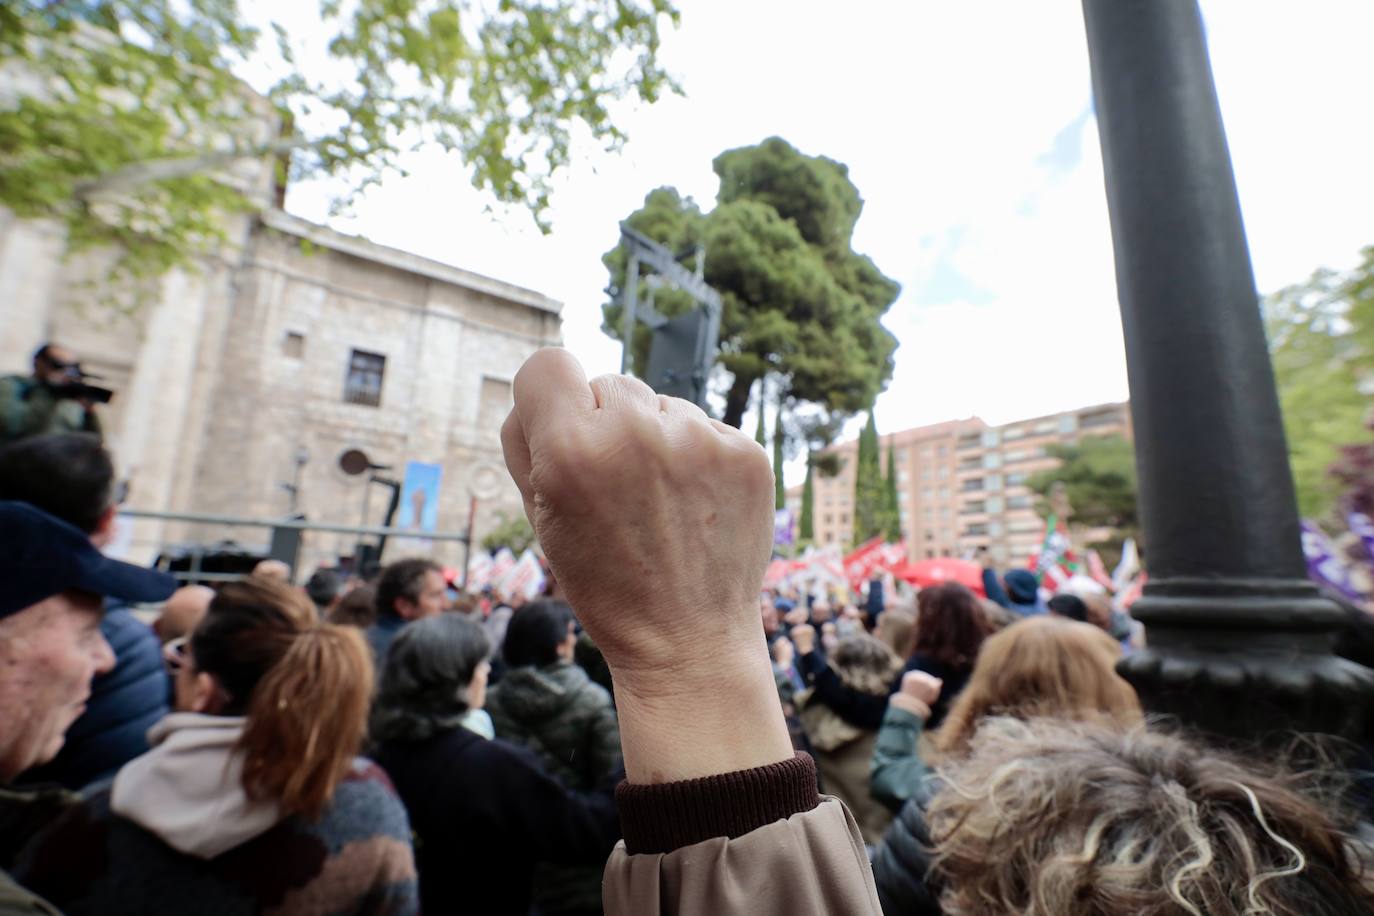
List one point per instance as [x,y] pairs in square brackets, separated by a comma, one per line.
[252,798]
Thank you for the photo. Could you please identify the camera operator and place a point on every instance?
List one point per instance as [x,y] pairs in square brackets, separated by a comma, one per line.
[55,398]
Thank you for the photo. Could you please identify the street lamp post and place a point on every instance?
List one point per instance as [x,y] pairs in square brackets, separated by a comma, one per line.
[1239,639]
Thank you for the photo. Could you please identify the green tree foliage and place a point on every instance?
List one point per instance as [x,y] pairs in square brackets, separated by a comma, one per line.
[892,508]
[870,500]
[513,532]
[134,112]
[1099,478]
[799,303]
[806,529]
[779,435]
[1321,339]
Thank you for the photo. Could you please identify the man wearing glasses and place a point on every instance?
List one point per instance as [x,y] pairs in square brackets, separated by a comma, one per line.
[54,399]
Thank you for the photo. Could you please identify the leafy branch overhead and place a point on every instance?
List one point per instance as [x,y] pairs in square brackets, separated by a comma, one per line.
[799,304]
[124,119]
[1321,339]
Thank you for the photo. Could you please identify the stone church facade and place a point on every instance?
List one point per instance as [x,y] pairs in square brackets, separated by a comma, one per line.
[294,341]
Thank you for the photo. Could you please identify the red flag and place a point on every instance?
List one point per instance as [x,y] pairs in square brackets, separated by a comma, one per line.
[859,565]
[1098,570]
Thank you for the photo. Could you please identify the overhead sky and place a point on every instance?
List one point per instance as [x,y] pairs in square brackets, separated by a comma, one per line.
[969,130]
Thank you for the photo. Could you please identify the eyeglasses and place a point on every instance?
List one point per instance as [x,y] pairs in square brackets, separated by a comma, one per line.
[174,654]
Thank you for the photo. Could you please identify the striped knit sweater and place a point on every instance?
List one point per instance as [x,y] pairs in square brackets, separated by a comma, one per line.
[357,859]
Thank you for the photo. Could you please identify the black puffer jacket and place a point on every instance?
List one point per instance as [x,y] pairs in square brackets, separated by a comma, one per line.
[902,860]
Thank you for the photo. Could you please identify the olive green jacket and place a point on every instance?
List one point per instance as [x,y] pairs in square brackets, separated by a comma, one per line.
[29,408]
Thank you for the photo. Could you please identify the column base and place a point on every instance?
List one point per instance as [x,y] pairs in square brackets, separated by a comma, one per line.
[1247,658]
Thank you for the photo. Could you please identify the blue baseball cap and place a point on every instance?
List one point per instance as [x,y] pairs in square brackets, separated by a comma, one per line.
[41,556]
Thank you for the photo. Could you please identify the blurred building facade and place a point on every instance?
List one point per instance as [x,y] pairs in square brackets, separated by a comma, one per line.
[961,484]
[292,342]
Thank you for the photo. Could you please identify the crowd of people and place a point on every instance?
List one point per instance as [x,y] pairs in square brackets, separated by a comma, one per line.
[657,735]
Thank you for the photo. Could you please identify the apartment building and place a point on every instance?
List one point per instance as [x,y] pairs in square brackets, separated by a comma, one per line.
[961,484]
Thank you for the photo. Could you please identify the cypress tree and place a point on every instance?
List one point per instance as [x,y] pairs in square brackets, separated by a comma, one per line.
[805,530]
[892,505]
[759,434]
[779,491]
[869,498]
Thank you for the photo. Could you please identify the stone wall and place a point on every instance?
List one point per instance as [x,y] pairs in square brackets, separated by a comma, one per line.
[214,402]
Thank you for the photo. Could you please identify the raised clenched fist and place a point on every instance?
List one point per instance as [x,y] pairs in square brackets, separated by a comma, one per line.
[922,686]
[655,519]
[804,638]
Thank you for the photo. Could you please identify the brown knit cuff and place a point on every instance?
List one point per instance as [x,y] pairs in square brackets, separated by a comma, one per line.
[661,818]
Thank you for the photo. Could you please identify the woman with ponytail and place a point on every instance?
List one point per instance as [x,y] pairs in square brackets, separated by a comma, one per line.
[252,799]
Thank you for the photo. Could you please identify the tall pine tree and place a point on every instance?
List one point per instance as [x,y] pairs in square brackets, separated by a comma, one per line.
[891,505]
[806,530]
[869,498]
[779,491]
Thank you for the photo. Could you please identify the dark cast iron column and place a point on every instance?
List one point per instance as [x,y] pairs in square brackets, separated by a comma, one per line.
[1239,639]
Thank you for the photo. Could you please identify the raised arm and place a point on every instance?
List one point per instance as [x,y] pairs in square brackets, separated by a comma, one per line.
[897,769]
[657,522]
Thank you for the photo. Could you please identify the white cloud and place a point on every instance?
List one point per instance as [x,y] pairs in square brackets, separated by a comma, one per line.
[945,114]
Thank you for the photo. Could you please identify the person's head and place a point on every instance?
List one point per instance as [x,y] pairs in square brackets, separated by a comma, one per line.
[1022,586]
[183,612]
[1041,666]
[411,589]
[358,608]
[323,588]
[303,686]
[865,663]
[436,670]
[1089,820]
[896,628]
[540,633]
[1070,606]
[950,627]
[53,364]
[997,617]
[52,579]
[67,475]
[1099,608]
[272,570]
[768,611]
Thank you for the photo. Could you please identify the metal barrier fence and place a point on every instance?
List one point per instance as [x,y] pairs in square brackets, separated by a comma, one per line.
[284,542]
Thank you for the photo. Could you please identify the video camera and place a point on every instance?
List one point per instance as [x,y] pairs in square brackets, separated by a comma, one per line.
[73,385]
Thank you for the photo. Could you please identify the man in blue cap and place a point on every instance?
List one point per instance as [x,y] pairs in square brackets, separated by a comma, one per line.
[52,584]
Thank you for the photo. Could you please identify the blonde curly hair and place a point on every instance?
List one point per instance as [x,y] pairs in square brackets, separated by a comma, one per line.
[1056,818]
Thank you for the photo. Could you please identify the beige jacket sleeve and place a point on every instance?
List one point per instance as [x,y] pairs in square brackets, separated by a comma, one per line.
[811,862]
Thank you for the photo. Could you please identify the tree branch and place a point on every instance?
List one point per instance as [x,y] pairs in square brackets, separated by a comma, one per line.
[140,173]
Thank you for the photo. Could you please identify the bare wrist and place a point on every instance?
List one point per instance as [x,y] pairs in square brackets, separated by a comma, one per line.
[721,717]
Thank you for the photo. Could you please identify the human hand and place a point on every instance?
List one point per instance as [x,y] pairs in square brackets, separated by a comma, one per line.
[922,686]
[657,522]
[918,693]
[783,653]
[830,636]
[804,638]
[797,615]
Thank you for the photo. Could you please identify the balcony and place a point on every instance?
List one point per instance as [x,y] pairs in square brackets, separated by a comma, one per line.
[1089,421]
